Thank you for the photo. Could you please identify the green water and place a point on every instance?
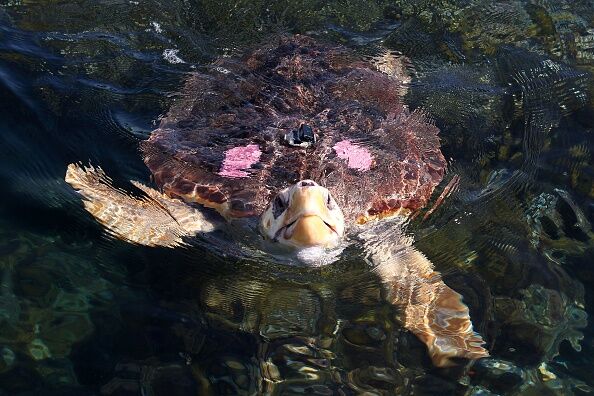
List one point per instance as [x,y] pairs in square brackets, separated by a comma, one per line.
[508,84]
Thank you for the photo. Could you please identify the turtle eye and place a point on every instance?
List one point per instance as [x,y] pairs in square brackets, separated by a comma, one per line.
[278,206]
[330,202]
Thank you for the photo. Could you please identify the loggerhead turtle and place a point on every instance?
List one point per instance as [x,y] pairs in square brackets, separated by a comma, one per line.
[312,147]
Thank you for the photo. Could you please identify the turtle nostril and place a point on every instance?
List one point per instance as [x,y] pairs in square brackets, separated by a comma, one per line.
[307,183]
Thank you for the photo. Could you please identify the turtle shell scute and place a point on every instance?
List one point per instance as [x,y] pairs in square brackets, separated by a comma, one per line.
[222,143]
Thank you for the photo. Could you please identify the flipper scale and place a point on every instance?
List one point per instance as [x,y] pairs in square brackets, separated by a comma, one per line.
[431,310]
[154,220]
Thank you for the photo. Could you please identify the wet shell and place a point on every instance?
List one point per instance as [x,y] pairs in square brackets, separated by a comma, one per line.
[223,142]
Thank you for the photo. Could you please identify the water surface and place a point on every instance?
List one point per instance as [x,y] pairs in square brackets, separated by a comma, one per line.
[508,84]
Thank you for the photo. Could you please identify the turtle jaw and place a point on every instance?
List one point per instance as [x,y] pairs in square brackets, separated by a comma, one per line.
[310,230]
[310,217]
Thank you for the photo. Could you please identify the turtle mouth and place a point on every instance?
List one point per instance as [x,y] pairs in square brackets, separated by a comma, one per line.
[288,228]
[289,225]
[308,230]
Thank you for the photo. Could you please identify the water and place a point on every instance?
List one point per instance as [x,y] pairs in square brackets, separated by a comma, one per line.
[507,83]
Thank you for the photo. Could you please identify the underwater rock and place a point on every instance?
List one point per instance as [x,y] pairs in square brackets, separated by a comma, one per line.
[489,24]
[290,312]
[38,350]
[37,285]
[539,321]
[376,380]
[151,377]
[495,376]
[296,363]
[7,358]
[256,307]
[62,333]
[558,225]
[10,307]
[57,373]
[560,29]
[47,290]
[500,375]
[414,41]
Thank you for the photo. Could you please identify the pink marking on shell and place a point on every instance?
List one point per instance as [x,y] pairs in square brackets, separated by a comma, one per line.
[238,159]
[357,157]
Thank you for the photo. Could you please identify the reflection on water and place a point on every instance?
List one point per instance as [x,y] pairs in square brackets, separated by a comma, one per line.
[507,83]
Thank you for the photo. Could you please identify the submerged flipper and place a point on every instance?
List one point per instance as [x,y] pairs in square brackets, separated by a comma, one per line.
[431,310]
[154,220]
[437,316]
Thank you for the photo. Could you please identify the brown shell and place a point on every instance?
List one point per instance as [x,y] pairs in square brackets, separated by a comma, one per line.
[267,93]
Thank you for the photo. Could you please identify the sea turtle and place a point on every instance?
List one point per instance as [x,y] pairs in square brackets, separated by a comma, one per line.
[310,146]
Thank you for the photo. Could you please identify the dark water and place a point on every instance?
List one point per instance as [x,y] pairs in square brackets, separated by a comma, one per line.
[509,85]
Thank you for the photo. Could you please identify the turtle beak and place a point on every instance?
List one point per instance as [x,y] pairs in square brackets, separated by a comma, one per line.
[309,220]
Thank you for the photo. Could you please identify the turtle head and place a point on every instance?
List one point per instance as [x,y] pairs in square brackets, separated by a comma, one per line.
[303,215]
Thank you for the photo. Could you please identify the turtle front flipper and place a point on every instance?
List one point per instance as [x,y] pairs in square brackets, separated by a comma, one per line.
[437,316]
[154,220]
[431,310]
